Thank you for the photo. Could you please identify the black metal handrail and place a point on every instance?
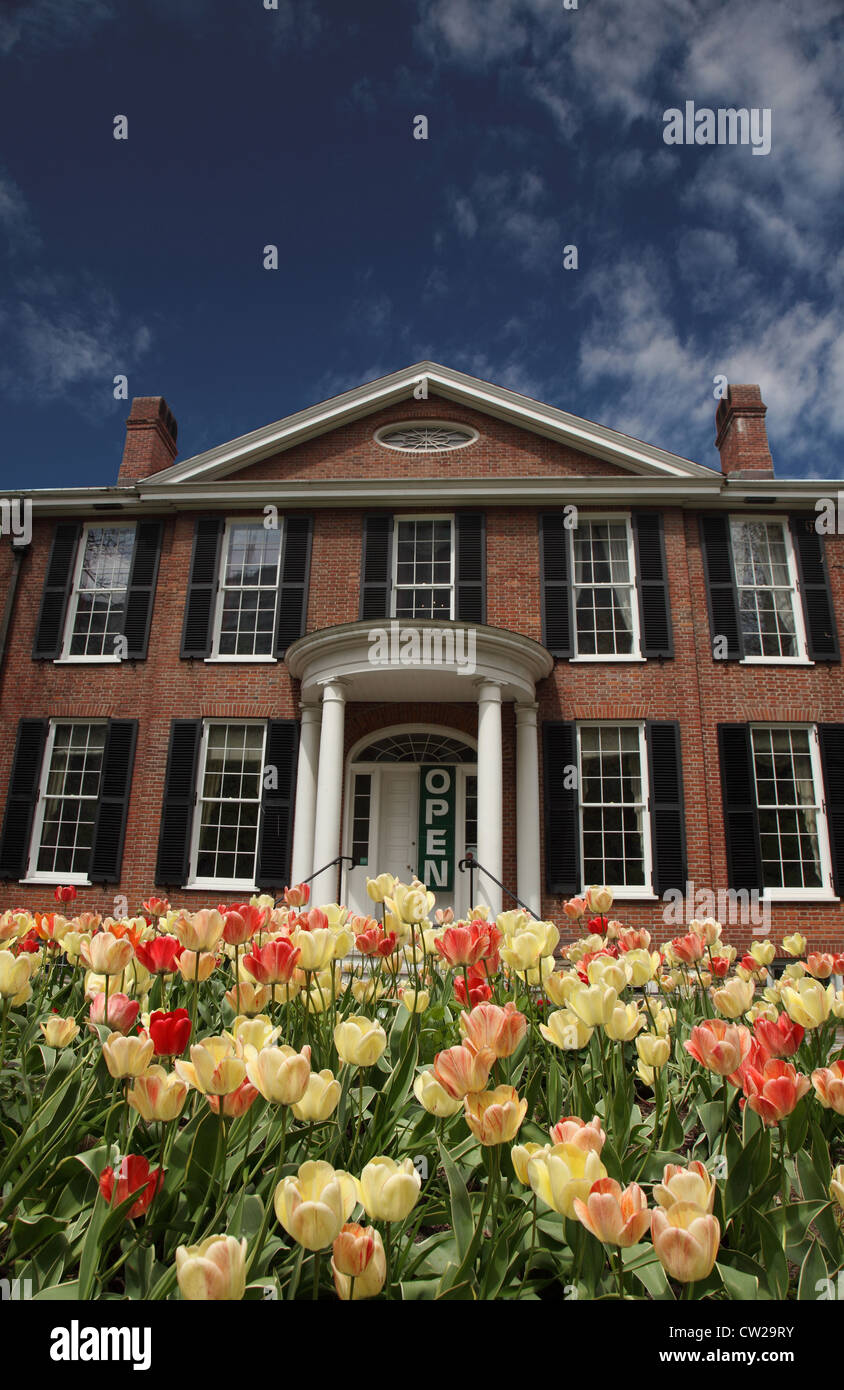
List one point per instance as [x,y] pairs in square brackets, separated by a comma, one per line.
[471,864]
[340,859]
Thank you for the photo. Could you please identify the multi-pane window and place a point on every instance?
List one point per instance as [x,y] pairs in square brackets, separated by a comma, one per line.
[606,621]
[613,805]
[423,568]
[361,811]
[248,590]
[789,800]
[63,831]
[770,619]
[471,818]
[98,602]
[229,804]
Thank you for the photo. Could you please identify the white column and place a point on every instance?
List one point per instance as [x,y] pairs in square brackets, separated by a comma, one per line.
[490,793]
[304,814]
[529,885]
[329,795]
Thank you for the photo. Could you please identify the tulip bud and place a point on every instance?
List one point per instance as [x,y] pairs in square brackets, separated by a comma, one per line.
[370,1281]
[58,1032]
[127,1056]
[387,1190]
[213,1271]
[434,1098]
[320,1098]
[686,1241]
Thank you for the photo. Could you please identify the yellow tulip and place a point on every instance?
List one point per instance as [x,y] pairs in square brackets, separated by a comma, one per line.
[604,970]
[249,1035]
[686,1241]
[317,948]
[320,1099]
[253,998]
[213,1068]
[359,1041]
[415,1001]
[763,952]
[509,922]
[366,991]
[199,931]
[643,966]
[495,1117]
[388,1190]
[836,1187]
[336,915]
[624,1023]
[594,1004]
[562,1172]
[58,1032]
[158,1095]
[664,1020]
[794,945]
[313,1206]
[280,1074]
[807,1002]
[435,1098]
[559,987]
[691,1185]
[734,998]
[653,1050]
[189,970]
[521,1154]
[598,899]
[565,1030]
[381,887]
[411,904]
[523,952]
[127,1056]
[214,1271]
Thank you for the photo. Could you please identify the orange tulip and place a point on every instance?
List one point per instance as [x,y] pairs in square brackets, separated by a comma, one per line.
[775,1090]
[720,1046]
[829,1086]
[463,1070]
[614,1215]
[501,1030]
[353,1249]
[572,1130]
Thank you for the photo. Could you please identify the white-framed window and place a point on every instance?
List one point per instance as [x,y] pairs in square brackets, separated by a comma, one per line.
[247,595]
[224,842]
[603,569]
[66,810]
[770,611]
[790,806]
[423,567]
[615,836]
[97,607]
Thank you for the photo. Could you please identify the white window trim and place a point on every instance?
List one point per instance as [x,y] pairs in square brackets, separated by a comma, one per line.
[427,516]
[216,657]
[622,890]
[66,657]
[52,876]
[604,657]
[821,894]
[221,885]
[802,658]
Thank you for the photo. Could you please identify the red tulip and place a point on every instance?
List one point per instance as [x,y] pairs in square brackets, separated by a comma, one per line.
[480,989]
[719,965]
[242,922]
[774,1091]
[169,1032]
[133,1175]
[780,1039]
[156,907]
[29,943]
[160,956]
[65,893]
[275,963]
[376,942]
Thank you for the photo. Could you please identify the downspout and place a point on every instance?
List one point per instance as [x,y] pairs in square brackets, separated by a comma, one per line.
[18,552]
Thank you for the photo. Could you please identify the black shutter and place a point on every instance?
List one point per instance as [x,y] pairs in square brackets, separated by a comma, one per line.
[171,868]
[652,581]
[562,828]
[292,617]
[21,797]
[470,545]
[721,594]
[377,557]
[202,587]
[821,629]
[57,583]
[668,822]
[141,592]
[275,832]
[555,584]
[831,741]
[741,817]
[113,803]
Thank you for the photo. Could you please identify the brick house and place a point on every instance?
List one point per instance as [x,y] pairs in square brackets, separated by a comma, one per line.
[426,618]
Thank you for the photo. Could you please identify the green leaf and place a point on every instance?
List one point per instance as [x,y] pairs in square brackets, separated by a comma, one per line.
[711,1114]
[738,1283]
[776,1267]
[796,1127]
[673,1132]
[742,1176]
[462,1220]
[812,1274]
[797,1217]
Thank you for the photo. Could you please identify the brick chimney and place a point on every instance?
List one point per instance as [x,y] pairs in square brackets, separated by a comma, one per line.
[742,439]
[150,439]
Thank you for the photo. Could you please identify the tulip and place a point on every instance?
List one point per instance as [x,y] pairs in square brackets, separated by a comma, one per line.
[598,899]
[574,908]
[434,1098]
[415,1001]
[249,1035]
[126,1056]
[234,1103]
[367,991]
[253,998]
[606,970]
[495,1117]
[780,1038]
[523,953]
[213,1069]
[614,1215]
[807,1002]
[107,954]
[298,896]
[688,949]
[572,1130]
[665,1019]
[774,1091]
[374,941]
[565,1030]
[794,945]
[642,965]
[624,1023]
[480,990]
[59,1032]
[370,1281]
[521,1154]
[653,1050]
[381,887]
[463,1069]
[320,1099]
[594,1004]
[836,1187]
[359,1041]
[690,1185]
[242,923]
[412,903]
[214,1271]
[462,945]
[65,893]
[160,956]
[733,998]
[763,952]
[121,1015]
[316,948]
[563,1172]
[820,964]
[169,1031]
[200,968]
[829,1086]
[314,1205]
[559,987]
[158,1095]
[686,1241]
[156,907]
[132,1175]
[721,1047]
[387,1190]
[280,1074]
[199,931]
[501,1030]
[274,963]
[353,1249]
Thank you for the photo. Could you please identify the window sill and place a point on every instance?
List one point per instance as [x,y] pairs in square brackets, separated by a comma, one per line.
[241,660]
[603,659]
[786,895]
[775,661]
[640,895]
[57,880]
[212,886]
[89,661]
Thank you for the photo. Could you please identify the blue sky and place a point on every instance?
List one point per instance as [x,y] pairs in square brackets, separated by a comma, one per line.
[294,127]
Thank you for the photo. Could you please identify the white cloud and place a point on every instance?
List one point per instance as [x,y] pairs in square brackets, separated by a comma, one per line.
[295,24]
[510,207]
[50,23]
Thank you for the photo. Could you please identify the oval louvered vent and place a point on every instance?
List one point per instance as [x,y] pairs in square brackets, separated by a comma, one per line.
[433,437]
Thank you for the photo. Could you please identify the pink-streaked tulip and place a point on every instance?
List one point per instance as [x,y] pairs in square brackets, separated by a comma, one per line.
[820,964]
[462,945]
[686,1241]
[501,1030]
[126,1056]
[463,1069]
[280,1074]
[563,1172]
[59,1032]
[829,1086]
[774,1091]
[688,949]
[352,1242]
[314,1205]
[213,1271]
[614,1215]
[582,1133]
[275,963]
[158,1095]
[253,998]
[495,1117]
[719,1046]
[353,1249]
[192,967]
[690,1185]
[780,1039]
[634,939]
[235,1103]
[298,896]
[199,931]
[156,907]
[107,954]
[122,1012]
[574,909]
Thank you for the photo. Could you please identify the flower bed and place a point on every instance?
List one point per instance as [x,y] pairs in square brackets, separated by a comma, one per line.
[205,1104]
